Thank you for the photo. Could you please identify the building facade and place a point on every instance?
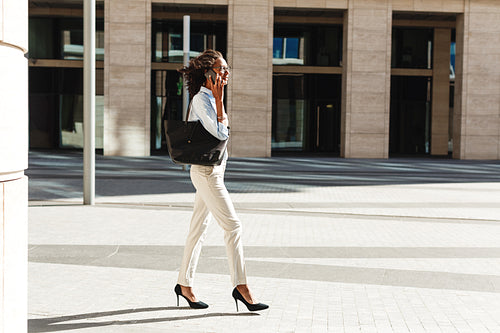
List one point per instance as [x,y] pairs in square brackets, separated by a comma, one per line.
[349,78]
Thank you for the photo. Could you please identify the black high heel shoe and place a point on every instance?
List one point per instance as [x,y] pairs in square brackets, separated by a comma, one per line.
[251,307]
[193,305]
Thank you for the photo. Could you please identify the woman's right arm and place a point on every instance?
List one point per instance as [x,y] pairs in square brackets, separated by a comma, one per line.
[217,89]
[221,113]
[204,108]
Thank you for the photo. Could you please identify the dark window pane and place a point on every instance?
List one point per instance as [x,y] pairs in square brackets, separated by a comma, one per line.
[307,44]
[412,48]
[61,38]
[42,41]
[56,107]
[292,48]
[198,42]
[277,47]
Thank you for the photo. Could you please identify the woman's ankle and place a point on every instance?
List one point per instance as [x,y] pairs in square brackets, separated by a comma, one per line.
[242,288]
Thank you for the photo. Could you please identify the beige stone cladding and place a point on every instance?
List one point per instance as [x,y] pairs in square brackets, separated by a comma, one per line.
[127,73]
[477,95]
[249,52]
[13,162]
[450,6]
[440,92]
[366,79]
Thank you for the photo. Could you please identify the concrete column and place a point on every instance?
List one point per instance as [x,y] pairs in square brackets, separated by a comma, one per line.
[366,79]
[13,162]
[127,77]
[476,128]
[250,36]
[440,91]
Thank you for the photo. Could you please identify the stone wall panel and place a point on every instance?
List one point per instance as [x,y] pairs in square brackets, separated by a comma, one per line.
[311,3]
[476,119]
[366,74]
[247,143]
[482,147]
[250,32]
[250,57]
[249,101]
[368,122]
[127,77]
[339,4]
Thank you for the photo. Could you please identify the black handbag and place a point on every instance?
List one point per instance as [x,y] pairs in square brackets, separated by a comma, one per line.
[188,142]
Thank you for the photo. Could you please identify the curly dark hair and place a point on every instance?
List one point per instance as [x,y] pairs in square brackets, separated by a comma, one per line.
[194,73]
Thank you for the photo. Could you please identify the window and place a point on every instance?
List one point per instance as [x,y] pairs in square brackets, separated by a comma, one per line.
[167,40]
[412,48]
[309,45]
[61,38]
[56,107]
[286,51]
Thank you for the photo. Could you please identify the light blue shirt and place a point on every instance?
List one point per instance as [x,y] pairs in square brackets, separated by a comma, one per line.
[204,109]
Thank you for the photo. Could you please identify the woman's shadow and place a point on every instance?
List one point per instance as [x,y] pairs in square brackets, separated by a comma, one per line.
[55,324]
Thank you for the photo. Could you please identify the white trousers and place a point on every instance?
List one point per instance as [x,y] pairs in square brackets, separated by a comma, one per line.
[212,199]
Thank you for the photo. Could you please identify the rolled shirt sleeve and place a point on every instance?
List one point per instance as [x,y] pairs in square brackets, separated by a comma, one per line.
[203,108]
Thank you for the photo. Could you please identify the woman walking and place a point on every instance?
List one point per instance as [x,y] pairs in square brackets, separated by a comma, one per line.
[206,77]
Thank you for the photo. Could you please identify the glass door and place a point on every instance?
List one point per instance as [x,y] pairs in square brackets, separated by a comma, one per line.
[290,107]
[306,113]
[166,103]
[326,119]
[410,119]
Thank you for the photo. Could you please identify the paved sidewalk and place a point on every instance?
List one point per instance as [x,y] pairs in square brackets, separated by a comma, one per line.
[332,245]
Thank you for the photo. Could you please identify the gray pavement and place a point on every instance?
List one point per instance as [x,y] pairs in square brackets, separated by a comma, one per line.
[332,245]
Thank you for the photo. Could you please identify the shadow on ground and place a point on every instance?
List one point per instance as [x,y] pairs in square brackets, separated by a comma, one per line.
[56,324]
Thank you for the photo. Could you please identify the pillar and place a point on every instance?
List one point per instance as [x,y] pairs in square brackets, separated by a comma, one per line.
[366,78]
[476,124]
[250,36]
[13,162]
[127,77]
[440,91]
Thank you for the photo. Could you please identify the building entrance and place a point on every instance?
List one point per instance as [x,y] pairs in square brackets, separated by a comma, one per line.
[306,113]
[410,119]
[166,103]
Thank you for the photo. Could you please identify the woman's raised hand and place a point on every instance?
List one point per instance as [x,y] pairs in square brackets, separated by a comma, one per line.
[217,87]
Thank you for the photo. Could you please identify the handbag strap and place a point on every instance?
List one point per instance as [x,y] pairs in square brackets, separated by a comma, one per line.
[190,106]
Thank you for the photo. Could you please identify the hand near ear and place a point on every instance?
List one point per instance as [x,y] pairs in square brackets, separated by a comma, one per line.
[217,87]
